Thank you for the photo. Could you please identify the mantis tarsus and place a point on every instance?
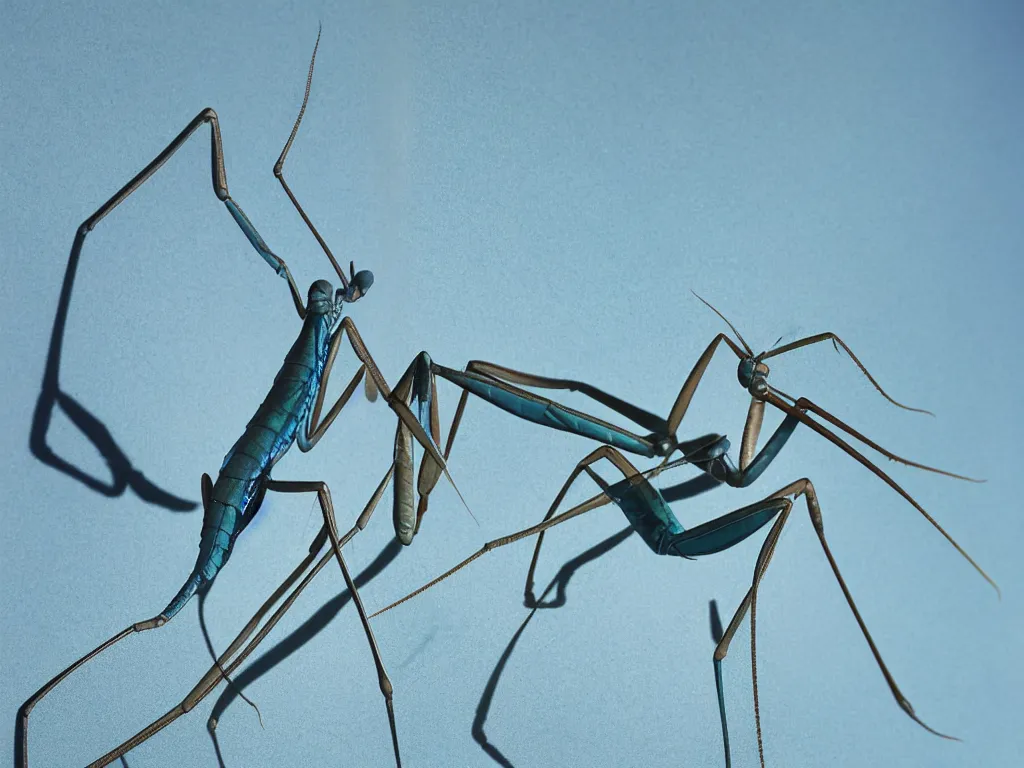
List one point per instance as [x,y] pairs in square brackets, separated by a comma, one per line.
[291,413]
[647,508]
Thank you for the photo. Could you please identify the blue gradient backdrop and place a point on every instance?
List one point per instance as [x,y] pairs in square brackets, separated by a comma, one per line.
[540,187]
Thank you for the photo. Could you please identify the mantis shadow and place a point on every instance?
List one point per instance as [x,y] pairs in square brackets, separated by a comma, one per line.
[309,629]
[685,490]
[559,585]
[123,474]
[326,613]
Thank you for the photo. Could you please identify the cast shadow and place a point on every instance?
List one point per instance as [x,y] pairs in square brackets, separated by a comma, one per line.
[123,474]
[290,644]
[685,490]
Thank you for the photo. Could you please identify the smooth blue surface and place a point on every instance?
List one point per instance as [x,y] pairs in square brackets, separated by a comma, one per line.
[542,188]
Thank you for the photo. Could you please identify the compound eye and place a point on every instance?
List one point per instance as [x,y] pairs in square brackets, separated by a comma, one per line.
[363,279]
[745,371]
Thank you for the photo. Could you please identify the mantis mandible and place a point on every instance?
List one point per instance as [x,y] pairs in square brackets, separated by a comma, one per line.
[647,508]
[290,413]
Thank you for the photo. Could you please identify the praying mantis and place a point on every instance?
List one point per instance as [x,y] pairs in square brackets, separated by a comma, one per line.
[290,414]
[647,508]
[709,475]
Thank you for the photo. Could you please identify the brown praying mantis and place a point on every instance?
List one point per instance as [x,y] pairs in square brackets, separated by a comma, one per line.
[647,508]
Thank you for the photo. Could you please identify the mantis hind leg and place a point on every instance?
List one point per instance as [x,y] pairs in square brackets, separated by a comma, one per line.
[225,664]
[230,660]
[21,724]
[799,488]
[503,388]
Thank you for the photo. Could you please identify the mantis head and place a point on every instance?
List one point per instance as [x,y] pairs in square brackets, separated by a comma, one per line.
[753,376]
[752,371]
[320,301]
[357,285]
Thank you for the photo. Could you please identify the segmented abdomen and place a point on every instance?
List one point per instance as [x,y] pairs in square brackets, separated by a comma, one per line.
[238,491]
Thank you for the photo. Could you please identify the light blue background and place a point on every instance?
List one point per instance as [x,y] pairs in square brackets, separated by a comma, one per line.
[539,187]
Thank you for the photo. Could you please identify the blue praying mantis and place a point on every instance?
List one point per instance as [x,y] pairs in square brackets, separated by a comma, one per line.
[290,414]
[647,509]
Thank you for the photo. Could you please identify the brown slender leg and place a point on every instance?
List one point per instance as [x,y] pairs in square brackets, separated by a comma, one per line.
[21,741]
[220,188]
[550,519]
[219,671]
[764,558]
[837,342]
[327,507]
[804,488]
[21,728]
[814,510]
[315,547]
[624,466]
[225,664]
[798,411]
[627,469]
[399,407]
[315,429]
[685,395]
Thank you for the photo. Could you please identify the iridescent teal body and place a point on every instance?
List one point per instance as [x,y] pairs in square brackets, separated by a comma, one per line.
[644,505]
[547,413]
[240,486]
[650,516]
